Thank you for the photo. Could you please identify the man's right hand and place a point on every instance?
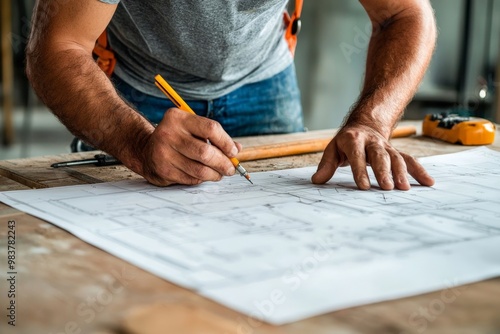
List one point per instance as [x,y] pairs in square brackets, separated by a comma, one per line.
[84,99]
[178,152]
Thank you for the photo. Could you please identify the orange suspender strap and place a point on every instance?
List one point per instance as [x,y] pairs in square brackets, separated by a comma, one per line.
[106,59]
[293,25]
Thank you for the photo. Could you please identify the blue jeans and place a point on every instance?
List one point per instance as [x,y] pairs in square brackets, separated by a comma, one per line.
[270,106]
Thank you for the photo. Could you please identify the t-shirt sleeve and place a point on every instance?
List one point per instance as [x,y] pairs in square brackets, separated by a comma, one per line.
[112,2]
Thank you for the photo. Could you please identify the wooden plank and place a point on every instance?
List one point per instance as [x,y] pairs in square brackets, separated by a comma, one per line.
[37,173]
[31,172]
[7,184]
[105,173]
[283,138]
[302,146]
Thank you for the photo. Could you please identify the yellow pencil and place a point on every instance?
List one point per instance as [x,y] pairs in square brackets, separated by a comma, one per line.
[182,105]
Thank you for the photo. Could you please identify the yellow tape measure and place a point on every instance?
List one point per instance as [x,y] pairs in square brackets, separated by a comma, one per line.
[458,129]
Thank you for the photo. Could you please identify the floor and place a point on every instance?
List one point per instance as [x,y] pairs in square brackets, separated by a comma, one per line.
[47,136]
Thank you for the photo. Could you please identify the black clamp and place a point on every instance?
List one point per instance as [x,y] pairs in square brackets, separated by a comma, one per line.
[296,26]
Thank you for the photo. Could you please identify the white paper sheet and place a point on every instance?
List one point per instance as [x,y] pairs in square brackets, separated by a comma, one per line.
[284,249]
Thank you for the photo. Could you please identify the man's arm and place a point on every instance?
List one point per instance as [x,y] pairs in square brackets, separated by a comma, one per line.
[63,73]
[400,50]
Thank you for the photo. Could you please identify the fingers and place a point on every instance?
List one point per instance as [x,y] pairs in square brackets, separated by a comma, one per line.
[178,176]
[381,163]
[416,170]
[192,144]
[205,128]
[358,146]
[345,148]
[156,174]
[176,154]
[357,159]
[327,166]
[399,171]
[183,170]
[385,163]
[200,153]
[238,146]
[390,161]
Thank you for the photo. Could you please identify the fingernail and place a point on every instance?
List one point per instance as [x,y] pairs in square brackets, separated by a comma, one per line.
[365,183]
[388,182]
[234,151]
[313,178]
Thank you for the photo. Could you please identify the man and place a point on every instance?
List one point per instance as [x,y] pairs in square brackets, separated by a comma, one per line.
[229,60]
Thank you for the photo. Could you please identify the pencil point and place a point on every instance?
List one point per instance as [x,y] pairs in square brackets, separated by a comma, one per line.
[247,176]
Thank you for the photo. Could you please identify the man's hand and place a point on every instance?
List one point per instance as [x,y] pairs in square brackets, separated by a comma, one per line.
[400,50]
[84,99]
[178,152]
[359,146]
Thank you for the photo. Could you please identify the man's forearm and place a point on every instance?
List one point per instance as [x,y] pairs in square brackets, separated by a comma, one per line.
[399,53]
[70,83]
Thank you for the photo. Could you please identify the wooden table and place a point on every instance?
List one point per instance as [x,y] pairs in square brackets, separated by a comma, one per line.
[68,286]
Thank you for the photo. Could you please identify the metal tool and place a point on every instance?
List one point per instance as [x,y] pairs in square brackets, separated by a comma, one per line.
[98,160]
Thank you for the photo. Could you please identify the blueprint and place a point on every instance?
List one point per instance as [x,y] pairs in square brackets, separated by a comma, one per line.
[284,249]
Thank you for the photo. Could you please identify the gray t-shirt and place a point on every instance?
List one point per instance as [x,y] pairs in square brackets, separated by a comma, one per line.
[203,48]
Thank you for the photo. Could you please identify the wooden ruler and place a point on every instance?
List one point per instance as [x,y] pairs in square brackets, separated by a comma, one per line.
[303,146]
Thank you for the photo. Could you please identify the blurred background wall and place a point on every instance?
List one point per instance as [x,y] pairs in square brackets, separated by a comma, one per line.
[332,49]
[330,62]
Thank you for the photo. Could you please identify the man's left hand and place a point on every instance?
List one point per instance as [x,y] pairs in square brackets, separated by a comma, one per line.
[360,146]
